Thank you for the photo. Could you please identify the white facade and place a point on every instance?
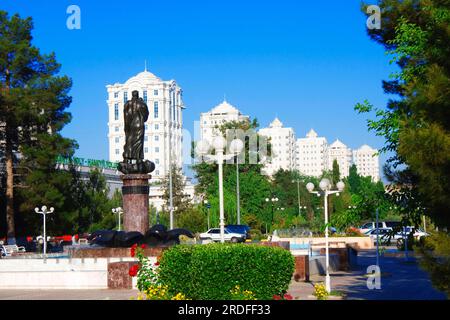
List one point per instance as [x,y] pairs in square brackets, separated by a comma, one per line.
[283,147]
[339,151]
[311,154]
[219,115]
[163,128]
[367,162]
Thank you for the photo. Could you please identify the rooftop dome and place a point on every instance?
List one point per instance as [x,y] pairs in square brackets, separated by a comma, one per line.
[338,144]
[311,134]
[276,123]
[224,107]
[143,77]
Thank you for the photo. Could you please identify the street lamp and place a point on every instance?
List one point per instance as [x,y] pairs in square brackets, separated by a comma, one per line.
[298,193]
[119,211]
[273,200]
[44,213]
[325,186]
[236,148]
[208,206]
[202,149]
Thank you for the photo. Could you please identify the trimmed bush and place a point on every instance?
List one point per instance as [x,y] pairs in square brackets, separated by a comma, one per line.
[211,272]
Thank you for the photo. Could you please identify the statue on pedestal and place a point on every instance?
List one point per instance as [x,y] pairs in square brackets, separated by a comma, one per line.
[135,115]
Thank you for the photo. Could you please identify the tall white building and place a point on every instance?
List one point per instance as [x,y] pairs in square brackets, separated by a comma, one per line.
[283,147]
[311,154]
[339,151]
[367,162]
[164,126]
[219,115]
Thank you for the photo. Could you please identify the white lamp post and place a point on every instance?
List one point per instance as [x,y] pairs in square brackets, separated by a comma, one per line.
[44,213]
[298,193]
[208,206]
[236,148]
[325,186]
[273,200]
[119,212]
[202,149]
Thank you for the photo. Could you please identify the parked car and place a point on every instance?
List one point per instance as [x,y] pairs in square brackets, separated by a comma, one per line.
[384,235]
[214,235]
[381,225]
[239,228]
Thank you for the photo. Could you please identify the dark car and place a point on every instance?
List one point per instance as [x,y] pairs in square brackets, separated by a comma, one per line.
[239,228]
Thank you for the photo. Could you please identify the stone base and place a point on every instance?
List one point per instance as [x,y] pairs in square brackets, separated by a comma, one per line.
[118,276]
[135,192]
[301,272]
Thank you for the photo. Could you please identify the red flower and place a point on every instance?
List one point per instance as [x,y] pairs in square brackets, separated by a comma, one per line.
[288,297]
[133,270]
[276,297]
[143,246]
[133,252]
[156,263]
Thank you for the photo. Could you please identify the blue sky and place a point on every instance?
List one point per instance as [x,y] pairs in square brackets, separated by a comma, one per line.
[306,62]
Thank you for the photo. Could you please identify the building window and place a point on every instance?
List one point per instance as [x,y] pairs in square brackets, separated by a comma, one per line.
[156,109]
[125,97]
[157,172]
[155,92]
[117,140]
[145,96]
[116,111]
[117,151]
[116,95]
[145,150]
[156,138]
[146,138]
[157,149]
[157,161]
[156,126]
[116,129]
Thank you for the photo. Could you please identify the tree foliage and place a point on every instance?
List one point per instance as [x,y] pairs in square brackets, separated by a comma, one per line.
[33,103]
[416,126]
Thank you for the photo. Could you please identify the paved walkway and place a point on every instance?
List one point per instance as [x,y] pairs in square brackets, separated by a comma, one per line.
[401,280]
[67,294]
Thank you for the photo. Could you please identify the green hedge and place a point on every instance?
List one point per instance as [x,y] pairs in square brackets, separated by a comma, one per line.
[209,272]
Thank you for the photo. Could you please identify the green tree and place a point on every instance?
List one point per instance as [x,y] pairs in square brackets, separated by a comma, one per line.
[180,200]
[192,219]
[33,100]
[336,174]
[416,126]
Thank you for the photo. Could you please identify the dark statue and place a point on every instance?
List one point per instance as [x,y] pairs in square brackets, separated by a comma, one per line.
[135,115]
[158,235]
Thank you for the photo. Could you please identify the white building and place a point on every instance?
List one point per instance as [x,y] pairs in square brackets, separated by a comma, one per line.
[283,147]
[164,126]
[311,154]
[367,162]
[339,151]
[210,121]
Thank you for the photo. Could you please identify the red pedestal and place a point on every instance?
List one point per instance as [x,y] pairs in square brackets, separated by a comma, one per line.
[135,192]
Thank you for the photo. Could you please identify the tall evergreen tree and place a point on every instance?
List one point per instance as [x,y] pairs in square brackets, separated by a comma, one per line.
[33,100]
[336,172]
[416,125]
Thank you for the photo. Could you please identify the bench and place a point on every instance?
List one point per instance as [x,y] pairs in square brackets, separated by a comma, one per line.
[8,250]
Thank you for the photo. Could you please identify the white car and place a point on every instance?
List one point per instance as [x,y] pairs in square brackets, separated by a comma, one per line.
[381,225]
[214,235]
